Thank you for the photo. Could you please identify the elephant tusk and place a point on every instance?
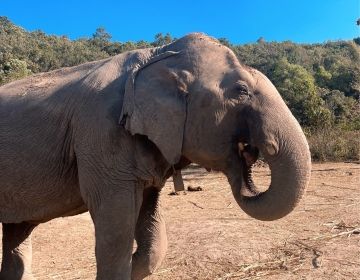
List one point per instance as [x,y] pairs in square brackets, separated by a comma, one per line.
[241,146]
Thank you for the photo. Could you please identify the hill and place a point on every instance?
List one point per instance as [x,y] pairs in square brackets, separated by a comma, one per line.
[319,82]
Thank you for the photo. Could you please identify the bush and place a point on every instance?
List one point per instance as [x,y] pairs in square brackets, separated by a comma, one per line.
[334,144]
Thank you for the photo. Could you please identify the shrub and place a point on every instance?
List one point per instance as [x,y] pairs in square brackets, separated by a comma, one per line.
[334,144]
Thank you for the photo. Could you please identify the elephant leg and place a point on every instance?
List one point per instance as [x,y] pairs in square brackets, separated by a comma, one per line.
[150,236]
[114,200]
[17,251]
[114,222]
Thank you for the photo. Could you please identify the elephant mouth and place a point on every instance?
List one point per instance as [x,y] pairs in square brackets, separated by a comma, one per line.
[248,155]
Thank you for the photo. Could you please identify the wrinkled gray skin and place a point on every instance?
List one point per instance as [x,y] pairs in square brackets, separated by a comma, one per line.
[104,136]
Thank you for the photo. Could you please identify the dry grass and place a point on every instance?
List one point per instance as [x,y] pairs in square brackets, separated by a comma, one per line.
[293,256]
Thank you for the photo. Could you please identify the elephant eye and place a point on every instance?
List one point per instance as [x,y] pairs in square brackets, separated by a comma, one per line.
[242,88]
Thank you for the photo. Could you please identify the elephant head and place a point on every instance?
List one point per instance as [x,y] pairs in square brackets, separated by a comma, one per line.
[194,99]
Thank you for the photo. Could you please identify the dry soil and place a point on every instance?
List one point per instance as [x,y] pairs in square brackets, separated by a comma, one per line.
[211,238]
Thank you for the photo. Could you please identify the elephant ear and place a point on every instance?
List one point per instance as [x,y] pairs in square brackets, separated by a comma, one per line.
[155,105]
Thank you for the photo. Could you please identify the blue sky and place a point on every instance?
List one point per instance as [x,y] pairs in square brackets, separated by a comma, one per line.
[241,21]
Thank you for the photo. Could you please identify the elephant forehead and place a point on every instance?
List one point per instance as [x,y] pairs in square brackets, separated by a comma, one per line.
[218,58]
[222,66]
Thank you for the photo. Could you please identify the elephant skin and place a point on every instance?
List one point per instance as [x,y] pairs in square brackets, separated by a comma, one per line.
[104,136]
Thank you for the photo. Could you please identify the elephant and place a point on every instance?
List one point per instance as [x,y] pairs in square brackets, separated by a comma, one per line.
[104,137]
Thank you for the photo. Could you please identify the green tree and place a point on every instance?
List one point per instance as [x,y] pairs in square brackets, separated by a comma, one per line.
[160,39]
[101,38]
[261,40]
[13,69]
[101,35]
[345,110]
[322,76]
[225,42]
[297,87]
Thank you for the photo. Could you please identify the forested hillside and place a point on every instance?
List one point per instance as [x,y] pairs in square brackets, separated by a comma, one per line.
[319,82]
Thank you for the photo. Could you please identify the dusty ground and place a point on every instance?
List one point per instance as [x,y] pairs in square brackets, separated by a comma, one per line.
[211,238]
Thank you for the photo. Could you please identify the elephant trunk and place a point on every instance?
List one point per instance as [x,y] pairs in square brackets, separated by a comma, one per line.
[290,174]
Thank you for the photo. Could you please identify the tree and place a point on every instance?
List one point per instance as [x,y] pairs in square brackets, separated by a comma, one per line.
[261,40]
[297,87]
[322,76]
[160,39]
[345,110]
[13,69]
[101,35]
[101,38]
[225,42]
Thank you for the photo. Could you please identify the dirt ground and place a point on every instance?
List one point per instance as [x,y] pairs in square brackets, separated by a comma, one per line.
[211,238]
